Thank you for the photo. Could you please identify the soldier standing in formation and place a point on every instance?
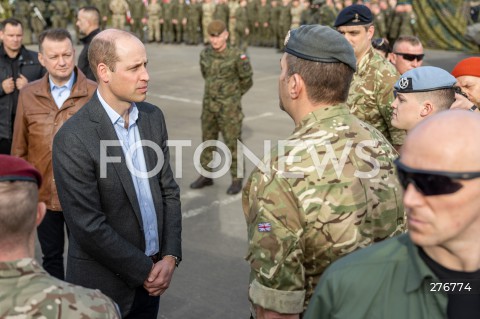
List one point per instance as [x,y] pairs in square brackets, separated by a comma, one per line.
[194,14]
[233,5]
[228,76]
[208,8]
[301,219]
[119,9]
[22,14]
[138,20]
[241,26]
[371,92]
[167,31]
[155,18]
[59,13]
[37,17]
[179,20]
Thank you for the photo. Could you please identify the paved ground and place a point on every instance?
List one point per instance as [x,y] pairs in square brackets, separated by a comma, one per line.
[212,280]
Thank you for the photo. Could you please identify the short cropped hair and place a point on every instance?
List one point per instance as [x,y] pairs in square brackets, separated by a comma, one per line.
[413,40]
[18,207]
[442,99]
[11,21]
[94,12]
[53,34]
[325,82]
[102,50]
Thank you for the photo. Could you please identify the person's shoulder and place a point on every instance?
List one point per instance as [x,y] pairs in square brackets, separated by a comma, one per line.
[34,86]
[29,55]
[377,256]
[382,65]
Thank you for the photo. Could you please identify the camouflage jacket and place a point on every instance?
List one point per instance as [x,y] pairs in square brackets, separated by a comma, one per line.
[328,190]
[371,94]
[29,292]
[228,75]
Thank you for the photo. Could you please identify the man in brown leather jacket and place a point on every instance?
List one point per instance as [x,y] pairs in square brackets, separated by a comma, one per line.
[43,106]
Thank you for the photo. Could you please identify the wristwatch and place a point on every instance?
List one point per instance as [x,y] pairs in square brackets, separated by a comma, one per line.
[474,108]
[177,260]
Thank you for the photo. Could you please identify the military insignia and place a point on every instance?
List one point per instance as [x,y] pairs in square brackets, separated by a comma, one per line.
[405,83]
[243,57]
[264,227]
[357,18]
[287,38]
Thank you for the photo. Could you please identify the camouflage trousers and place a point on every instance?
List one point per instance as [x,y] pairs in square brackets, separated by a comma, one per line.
[118,21]
[154,28]
[402,24]
[167,31]
[228,121]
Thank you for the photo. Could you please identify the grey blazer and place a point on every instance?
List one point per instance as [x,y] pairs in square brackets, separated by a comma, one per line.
[107,243]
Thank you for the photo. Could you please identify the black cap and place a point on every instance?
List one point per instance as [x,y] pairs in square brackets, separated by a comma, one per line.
[320,44]
[355,14]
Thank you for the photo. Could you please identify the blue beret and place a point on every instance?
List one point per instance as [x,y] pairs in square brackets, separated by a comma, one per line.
[355,14]
[320,44]
[424,79]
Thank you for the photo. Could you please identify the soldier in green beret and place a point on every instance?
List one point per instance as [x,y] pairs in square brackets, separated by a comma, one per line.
[316,198]
[228,76]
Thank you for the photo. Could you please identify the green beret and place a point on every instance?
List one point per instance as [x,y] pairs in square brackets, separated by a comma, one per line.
[355,14]
[320,44]
[216,27]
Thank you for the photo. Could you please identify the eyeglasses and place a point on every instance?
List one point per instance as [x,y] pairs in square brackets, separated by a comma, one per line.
[458,90]
[431,183]
[410,57]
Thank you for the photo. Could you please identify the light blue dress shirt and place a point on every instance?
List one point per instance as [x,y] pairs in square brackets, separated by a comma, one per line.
[61,93]
[128,137]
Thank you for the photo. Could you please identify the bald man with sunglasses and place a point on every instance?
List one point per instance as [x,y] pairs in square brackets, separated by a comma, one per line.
[407,53]
[433,271]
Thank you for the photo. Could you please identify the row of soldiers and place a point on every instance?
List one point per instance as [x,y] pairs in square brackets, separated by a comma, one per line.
[250,22]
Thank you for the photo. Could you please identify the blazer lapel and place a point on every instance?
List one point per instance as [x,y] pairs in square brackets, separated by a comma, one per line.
[106,132]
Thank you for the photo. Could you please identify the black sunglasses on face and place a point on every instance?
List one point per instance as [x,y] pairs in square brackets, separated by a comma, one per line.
[431,183]
[410,57]
[458,90]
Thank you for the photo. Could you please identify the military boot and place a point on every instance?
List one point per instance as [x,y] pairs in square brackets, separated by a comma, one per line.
[201,182]
[236,187]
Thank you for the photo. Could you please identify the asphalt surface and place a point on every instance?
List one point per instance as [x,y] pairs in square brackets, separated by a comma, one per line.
[212,280]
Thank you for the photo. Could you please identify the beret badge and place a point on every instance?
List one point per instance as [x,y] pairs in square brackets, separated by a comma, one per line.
[287,38]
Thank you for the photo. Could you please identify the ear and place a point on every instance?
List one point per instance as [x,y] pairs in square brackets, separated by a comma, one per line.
[103,72]
[370,32]
[41,211]
[41,59]
[427,109]
[295,86]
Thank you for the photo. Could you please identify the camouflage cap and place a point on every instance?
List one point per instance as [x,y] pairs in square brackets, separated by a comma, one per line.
[320,44]
[16,169]
[216,27]
[355,14]
[424,79]
[318,2]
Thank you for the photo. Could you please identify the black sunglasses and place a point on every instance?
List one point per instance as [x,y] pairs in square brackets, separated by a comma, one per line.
[431,183]
[458,90]
[410,57]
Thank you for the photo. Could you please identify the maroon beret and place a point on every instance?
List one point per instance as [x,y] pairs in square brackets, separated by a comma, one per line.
[16,169]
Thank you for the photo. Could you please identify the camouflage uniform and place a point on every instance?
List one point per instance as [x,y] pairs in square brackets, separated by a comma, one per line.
[241,24]
[5,10]
[35,22]
[298,225]
[207,14]
[284,22]
[232,21]
[274,23]
[167,30]
[155,14]
[103,7]
[119,9]
[296,13]
[22,13]
[59,13]
[228,76]
[29,292]
[402,23]
[263,19]
[371,94]
[221,12]
[194,14]
[328,14]
[180,20]
[138,13]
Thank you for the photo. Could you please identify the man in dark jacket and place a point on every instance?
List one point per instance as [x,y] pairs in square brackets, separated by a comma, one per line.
[18,66]
[88,23]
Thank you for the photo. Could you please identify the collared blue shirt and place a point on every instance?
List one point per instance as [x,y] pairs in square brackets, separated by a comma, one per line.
[128,137]
[61,93]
